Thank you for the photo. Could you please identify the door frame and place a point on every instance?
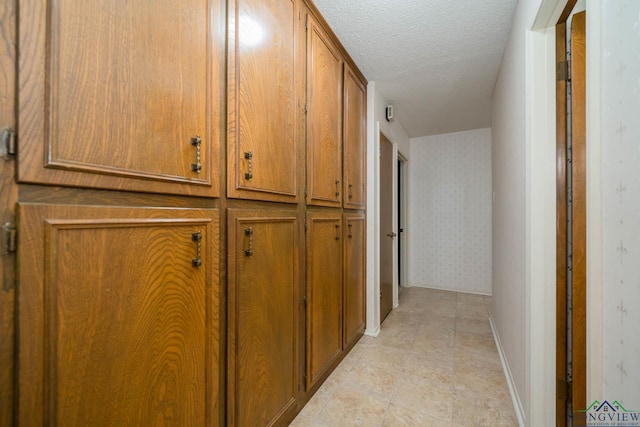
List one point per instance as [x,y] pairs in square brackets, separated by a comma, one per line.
[540,99]
[403,247]
[394,214]
[373,219]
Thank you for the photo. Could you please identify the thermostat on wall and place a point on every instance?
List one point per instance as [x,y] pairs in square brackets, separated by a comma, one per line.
[389,113]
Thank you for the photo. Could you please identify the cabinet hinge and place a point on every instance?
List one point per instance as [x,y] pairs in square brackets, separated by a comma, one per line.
[306,22]
[306,109]
[8,149]
[563,71]
[304,380]
[563,389]
[305,300]
[306,226]
[305,193]
[9,241]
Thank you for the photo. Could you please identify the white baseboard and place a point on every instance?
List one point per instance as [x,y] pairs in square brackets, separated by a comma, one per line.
[464,291]
[515,399]
[372,333]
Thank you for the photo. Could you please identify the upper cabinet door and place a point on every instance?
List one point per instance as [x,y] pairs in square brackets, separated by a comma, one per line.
[265,110]
[355,137]
[324,118]
[121,94]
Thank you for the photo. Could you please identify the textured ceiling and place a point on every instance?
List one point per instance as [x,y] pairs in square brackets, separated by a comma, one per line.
[436,61]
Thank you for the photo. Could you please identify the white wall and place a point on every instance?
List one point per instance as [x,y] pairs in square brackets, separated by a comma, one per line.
[620,221]
[508,160]
[450,211]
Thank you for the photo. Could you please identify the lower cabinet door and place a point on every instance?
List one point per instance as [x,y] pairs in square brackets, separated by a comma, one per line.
[324,293]
[264,303]
[118,314]
[354,277]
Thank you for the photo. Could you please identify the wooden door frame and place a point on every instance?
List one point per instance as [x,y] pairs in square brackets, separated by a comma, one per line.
[578,389]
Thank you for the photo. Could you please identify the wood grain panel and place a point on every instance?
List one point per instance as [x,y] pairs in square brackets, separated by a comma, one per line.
[263,316]
[116,327]
[355,140]
[324,118]
[354,281]
[263,106]
[324,293]
[8,198]
[561,231]
[579,211]
[112,93]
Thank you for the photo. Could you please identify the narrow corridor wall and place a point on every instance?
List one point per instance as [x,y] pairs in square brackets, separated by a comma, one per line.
[620,205]
[450,212]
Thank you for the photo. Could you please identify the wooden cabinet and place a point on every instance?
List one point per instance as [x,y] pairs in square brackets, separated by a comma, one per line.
[121,95]
[324,292]
[245,110]
[324,118]
[336,125]
[354,277]
[118,313]
[355,140]
[264,301]
[264,103]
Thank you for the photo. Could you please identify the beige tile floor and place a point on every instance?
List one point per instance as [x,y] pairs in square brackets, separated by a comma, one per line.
[434,363]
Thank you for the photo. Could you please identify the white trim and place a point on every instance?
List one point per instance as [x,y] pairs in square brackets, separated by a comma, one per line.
[540,98]
[404,220]
[515,399]
[462,291]
[394,221]
[595,277]
[374,333]
[549,13]
[373,212]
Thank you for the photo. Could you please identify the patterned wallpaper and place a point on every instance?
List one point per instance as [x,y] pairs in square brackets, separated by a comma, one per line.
[450,211]
[621,200]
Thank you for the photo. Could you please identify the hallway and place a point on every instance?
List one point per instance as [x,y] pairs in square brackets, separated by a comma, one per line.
[434,363]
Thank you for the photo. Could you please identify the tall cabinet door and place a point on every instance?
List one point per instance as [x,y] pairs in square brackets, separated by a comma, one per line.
[118,314]
[354,277]
[263,345]
[324,293]
[121,94]
[265,87]
[355,137]
[324,118]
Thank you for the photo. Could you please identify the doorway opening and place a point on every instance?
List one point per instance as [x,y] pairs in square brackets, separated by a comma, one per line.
[402,221]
